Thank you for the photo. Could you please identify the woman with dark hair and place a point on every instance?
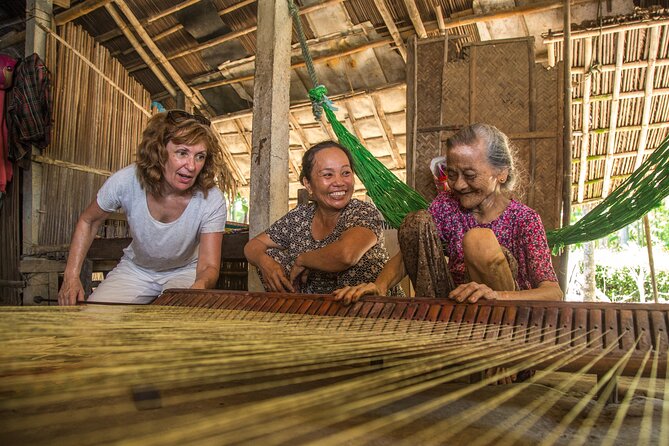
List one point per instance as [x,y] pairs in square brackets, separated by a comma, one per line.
[333,241]
[176,215]
[496,246]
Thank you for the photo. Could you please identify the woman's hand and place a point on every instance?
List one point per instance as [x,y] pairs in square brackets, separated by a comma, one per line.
[471,292]
[275,277]
[71,292]
[350,294]
[298,274]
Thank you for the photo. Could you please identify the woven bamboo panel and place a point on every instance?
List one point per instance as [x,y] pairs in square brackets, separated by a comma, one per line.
[501,85]
[497,83]
[10,249]
[94,126]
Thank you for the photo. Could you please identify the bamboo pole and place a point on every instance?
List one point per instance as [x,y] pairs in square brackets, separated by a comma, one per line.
[648,94]
[496,15]
[392,27]
[613,116]
[557,37]
[414,15]
[80,10]
[585,121]
[169,11]
[651,260]
[195,97]
[140,51]
[566,142]
[322,59]
[96,69]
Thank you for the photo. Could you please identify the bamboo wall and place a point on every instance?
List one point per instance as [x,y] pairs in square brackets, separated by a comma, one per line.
[10,246]
[96,129]
[497,83]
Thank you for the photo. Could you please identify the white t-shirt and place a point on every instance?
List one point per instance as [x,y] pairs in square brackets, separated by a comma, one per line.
[155,245]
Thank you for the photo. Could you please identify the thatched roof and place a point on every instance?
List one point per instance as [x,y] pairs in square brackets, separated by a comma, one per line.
[359,49]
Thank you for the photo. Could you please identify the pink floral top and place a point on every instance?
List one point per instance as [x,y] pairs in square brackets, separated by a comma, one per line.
[518,229]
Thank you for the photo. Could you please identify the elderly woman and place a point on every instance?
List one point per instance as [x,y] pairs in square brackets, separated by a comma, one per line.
[175,213]
[332,242]
[496,246]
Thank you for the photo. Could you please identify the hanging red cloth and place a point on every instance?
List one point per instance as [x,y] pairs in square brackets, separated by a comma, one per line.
[7,65]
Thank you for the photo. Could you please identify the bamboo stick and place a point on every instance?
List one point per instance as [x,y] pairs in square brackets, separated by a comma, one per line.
[651,260]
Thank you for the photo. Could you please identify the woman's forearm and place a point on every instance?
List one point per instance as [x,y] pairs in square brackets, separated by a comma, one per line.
[391,274]
[82,238]
[545,291]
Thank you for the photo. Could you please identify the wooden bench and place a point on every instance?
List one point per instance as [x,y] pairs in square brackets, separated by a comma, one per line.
[104,255]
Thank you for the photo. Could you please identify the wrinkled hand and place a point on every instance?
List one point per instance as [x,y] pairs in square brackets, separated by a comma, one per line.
[471,292]
[298,275]
[70,292]
[350,294]
[275,278]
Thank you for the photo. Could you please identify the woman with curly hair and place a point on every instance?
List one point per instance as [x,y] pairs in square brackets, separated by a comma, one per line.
[176,215]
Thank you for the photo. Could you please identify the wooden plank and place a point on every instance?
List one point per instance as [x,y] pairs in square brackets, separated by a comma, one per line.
[595,326]
[381,119]
[414,15]
[392,27]
[610,327]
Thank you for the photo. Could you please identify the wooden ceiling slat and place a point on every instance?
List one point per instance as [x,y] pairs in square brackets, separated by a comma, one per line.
[414,15]
[648,96]
[613,117]
[138,48]
[392,27]
[380,116]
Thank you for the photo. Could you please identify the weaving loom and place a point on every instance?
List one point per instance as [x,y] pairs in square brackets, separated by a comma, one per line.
[220,367]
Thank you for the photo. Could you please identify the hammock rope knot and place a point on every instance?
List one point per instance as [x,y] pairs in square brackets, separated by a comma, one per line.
[319,101]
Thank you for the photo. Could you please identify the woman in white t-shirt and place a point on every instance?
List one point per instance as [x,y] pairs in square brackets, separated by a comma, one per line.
[176,215]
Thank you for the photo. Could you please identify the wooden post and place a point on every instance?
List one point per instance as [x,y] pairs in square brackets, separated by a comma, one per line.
[651,260]
[566,143]
[38,12]
[271,106]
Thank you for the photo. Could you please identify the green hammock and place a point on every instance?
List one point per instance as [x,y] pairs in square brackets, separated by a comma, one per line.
[640,193]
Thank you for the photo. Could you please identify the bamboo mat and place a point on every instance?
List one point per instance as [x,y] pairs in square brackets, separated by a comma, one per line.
[147,375]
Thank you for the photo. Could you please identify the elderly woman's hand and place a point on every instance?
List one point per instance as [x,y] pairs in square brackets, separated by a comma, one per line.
[350,294]
[471,292]
[274,276]
[298,274]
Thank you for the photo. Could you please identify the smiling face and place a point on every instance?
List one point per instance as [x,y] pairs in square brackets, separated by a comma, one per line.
[332,182]
[183,165]
[474,181]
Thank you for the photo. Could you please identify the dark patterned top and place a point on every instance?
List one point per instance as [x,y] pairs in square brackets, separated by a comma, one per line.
[519,229]
[293,233]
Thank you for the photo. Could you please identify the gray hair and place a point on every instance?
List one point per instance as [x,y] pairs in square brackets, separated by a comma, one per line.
[500,152]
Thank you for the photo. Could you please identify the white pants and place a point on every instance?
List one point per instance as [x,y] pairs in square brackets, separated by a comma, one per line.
[129,283]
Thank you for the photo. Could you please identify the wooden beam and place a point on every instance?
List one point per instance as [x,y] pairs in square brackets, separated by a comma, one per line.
[595,32]
[624,95]
[194,97]
[513,12]
[648,95]
[626,66]
[62,3]
[80,10]
[169,11]
[380,116]
[563,270]
[226,37]
[627,128]
[242,132]
[613,116]
[441,24]
[140,51]
[392,28]
[352,120]
[414,15]
[585,121]
[237,173]
[322,59]
[39,17]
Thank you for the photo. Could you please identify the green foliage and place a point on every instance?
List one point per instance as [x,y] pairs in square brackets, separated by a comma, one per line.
[619,284]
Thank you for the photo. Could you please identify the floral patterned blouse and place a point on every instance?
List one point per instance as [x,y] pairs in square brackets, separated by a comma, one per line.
[293,233]
[518,229]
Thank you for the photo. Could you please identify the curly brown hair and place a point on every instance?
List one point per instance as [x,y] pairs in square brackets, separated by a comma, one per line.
[152,151]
